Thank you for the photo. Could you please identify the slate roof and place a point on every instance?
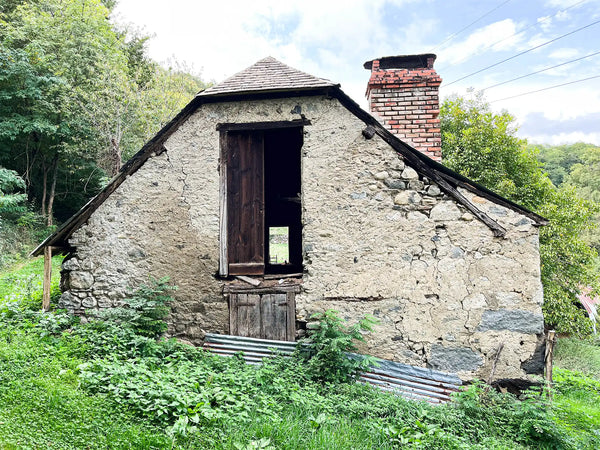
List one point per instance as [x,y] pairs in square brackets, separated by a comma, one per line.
[267,75]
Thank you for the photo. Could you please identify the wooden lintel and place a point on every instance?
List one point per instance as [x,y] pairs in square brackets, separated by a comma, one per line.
[228,289]
[249,126]
[47,278]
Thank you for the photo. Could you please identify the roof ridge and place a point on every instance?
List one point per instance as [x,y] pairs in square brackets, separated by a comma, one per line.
[267,74]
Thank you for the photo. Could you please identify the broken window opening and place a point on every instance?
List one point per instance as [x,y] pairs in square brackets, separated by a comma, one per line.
[279,246]
[261,185]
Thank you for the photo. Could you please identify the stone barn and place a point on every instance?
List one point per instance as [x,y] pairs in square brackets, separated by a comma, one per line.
[374,224]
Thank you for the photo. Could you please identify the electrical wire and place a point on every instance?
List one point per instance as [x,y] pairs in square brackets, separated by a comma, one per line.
[521,53]
[515,34]
[452,36]
[540,71]
[545,89]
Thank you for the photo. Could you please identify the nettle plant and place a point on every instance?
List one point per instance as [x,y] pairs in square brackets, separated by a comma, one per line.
[328,345]
[146,309]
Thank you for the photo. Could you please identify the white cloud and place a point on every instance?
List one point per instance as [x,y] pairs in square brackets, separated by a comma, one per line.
[500,35]
[564,53]
[564,138]
[563,103]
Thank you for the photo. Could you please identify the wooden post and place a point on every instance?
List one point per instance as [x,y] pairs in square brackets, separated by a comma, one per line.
[550,340]
[47,278]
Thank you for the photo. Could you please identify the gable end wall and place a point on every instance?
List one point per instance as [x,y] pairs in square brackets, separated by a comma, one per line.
[377,239]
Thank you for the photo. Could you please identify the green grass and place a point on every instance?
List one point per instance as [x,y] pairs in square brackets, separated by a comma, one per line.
[101,385]
[579,355]
[279,248]
[577,383]
[25,276]
[42,406]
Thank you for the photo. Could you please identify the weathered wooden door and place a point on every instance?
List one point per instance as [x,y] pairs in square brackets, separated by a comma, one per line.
[263,314]
[245,203]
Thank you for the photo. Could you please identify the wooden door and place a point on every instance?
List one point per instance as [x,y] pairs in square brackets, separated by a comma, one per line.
[263,315]
[245,203]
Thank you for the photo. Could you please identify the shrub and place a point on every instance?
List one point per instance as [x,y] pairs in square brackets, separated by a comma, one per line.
[329,342]
[146,310]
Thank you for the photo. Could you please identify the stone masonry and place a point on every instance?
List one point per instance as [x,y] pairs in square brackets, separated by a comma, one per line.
[403,95]
[378,238]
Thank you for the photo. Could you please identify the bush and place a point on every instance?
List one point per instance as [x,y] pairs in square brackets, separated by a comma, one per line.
[146,310]
[328,345]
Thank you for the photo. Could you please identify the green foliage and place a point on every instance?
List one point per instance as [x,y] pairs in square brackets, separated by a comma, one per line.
[42,405]
[568,381]
[11,201]
[145,310]
[483,146]
[328,343]
[100,384]
[21,286]
[558,161]
[77,94]
[579,355]
[567,261]
[577,405]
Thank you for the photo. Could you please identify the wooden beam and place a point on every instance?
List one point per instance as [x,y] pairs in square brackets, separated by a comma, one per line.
[47,278]
[496,228]
[250,126]
[223,219]
[548,356]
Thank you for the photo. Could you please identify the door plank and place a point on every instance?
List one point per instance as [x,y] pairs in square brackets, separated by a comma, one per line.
[233,315]
[290,334]
[280,317]
[245,202]
[253,316]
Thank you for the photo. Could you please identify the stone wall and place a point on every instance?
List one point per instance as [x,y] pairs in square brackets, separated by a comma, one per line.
[377,239]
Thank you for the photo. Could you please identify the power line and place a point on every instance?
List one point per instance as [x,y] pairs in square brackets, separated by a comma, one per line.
[521,53]
[545,89]
[517,33]
[471,24]
[539,71]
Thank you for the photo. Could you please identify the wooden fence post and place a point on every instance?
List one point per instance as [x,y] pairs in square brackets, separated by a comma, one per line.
[47,278]
[550,341]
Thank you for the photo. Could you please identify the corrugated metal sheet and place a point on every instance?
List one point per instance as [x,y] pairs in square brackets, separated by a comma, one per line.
[411,382]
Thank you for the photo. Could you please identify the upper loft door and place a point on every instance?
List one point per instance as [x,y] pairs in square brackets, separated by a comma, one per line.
[245,203]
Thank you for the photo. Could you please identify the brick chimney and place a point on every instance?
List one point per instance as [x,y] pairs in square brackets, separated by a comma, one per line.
[403,95]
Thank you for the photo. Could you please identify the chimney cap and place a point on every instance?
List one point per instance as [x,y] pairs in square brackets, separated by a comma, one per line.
[422,61]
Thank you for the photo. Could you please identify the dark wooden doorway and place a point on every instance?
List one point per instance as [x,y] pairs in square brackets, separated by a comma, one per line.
[267,313]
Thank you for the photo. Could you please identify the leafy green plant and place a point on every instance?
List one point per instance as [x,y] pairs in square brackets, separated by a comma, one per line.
[567,381]
[328,344]
[145,310]
[260,444]
[12,202]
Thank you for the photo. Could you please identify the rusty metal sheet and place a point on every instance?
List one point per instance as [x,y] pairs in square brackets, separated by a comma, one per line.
[416,383]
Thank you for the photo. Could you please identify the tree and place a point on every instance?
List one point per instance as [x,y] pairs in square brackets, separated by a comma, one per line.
[483,146]
[64,49]
[77,95]
[12,201]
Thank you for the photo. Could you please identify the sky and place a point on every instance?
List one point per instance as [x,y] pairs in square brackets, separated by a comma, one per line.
[333,38]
